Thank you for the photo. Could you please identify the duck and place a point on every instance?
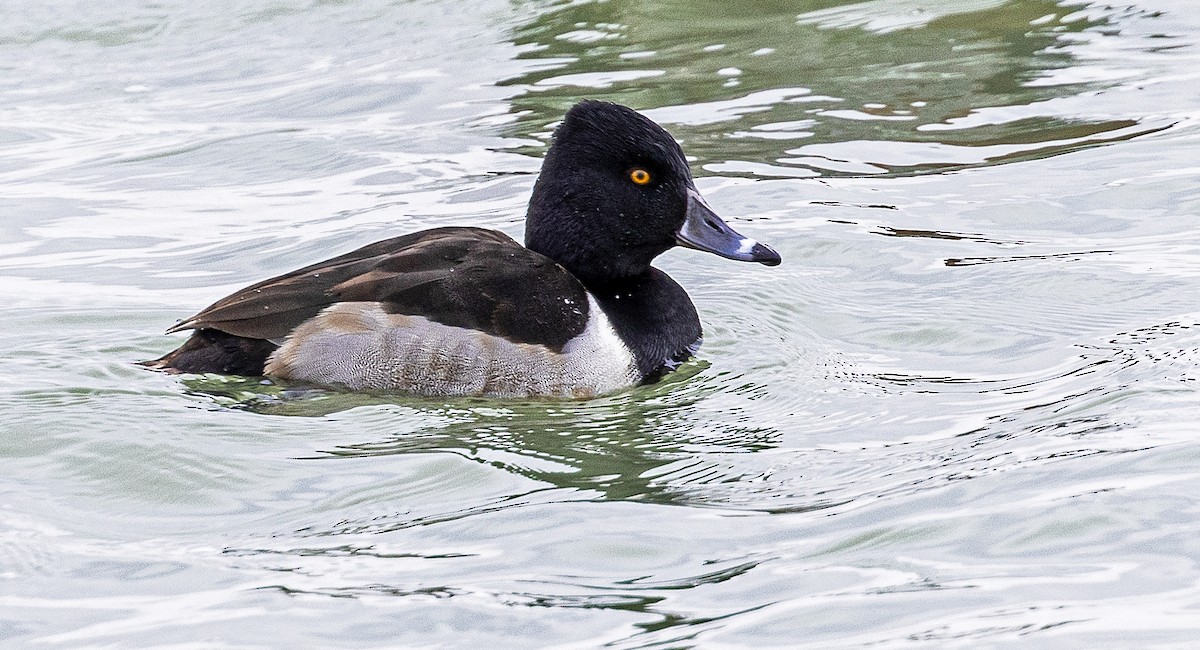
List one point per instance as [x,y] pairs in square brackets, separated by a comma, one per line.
[577,312]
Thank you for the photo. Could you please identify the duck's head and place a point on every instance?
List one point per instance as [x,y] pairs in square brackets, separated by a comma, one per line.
[615,192]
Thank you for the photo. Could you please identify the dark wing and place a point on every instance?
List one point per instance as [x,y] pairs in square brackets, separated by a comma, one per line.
[466,277]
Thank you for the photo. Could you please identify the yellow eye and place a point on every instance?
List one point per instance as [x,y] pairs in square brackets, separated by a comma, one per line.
[639,176]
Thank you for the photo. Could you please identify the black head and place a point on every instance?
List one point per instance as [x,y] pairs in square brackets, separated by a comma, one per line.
[615,192]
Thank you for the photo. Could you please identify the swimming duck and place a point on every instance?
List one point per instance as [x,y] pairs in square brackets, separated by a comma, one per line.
[576,312]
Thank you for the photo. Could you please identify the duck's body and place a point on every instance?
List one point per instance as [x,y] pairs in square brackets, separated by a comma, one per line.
[467,311]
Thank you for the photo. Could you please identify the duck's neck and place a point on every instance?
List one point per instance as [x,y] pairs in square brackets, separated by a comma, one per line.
[653,316]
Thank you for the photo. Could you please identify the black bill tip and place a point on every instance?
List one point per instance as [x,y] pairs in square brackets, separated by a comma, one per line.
[765,255]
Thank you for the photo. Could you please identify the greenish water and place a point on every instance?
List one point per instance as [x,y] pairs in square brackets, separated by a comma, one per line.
[963,412]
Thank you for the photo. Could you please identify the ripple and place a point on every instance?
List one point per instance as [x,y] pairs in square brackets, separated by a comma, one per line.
[1026,93]
[961,411]
[884,17]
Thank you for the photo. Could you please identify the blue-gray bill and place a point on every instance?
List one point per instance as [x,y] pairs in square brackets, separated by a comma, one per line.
[703,230]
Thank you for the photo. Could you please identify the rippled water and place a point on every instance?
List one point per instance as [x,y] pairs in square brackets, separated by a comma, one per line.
[963,412]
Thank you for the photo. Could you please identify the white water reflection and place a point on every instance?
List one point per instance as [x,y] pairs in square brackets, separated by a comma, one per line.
[883,16]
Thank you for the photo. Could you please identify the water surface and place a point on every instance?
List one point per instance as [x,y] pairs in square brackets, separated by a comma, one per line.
[962,412]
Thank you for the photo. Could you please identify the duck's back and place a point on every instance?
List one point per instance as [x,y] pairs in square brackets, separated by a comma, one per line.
[464,311]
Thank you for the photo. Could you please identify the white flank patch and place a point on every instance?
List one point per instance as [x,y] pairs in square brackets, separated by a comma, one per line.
[360,346]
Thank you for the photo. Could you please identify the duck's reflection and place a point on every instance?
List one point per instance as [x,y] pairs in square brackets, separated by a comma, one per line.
[613,448]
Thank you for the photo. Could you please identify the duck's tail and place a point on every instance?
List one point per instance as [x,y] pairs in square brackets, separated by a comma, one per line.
[210,350]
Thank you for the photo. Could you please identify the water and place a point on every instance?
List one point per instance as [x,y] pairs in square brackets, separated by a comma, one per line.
[962,413]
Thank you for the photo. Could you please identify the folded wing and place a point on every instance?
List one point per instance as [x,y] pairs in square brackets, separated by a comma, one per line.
[465,277]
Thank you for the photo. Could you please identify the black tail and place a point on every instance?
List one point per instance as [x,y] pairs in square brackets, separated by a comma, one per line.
[210,350]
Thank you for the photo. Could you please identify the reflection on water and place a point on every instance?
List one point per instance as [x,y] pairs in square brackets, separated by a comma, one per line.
[873,87]
[652,446]
[609,448]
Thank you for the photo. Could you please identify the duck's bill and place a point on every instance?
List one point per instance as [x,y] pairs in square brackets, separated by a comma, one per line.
[703,230]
